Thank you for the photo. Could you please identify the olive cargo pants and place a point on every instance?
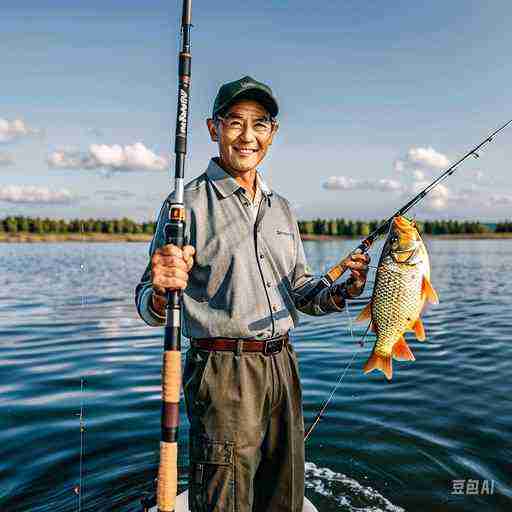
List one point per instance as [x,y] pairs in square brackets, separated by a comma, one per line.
[247,431]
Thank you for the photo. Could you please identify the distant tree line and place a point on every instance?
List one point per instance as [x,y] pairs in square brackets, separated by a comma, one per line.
[504,227]
[45,225]
[342,227]
[334,227]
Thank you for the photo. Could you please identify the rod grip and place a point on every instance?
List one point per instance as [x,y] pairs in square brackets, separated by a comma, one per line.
[167,487]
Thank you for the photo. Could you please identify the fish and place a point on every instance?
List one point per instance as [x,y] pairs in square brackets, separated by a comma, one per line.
[402,287]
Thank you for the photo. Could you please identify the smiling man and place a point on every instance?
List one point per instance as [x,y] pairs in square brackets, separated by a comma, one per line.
[242,275]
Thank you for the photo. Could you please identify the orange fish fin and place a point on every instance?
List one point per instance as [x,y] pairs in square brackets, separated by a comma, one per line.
[418,328]
[378,362]
[401,351]
[365,314]
[428,292]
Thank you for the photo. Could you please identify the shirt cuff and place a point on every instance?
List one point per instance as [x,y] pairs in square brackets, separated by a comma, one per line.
[327,302]
[146,311]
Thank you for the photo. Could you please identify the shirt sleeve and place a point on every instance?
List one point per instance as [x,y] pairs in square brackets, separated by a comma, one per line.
[144,290]
[303,281]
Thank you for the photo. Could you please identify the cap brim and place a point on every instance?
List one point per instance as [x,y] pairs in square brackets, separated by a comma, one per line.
[254,94]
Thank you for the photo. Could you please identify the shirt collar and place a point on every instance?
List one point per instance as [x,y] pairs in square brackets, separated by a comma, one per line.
[226,184]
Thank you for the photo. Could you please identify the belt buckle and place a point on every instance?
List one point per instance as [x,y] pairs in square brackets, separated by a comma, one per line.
[273,346]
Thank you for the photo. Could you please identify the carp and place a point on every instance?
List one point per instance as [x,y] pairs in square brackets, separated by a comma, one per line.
[402,286]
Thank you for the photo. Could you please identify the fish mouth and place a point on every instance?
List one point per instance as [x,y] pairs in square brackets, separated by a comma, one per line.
[406,232]
[407,228]
[404,240]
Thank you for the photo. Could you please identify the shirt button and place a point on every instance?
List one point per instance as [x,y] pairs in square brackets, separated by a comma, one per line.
[274,308]
[262,256]
[269,284]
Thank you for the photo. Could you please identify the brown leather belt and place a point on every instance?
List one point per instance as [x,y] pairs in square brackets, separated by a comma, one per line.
[238,345]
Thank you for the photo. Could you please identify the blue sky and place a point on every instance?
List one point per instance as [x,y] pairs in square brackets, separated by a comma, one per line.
[375,97]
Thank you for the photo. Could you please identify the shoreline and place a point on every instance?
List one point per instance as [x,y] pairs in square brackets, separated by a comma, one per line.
[132,237]
[458,236]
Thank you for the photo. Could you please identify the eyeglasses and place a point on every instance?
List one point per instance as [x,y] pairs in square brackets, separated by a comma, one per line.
[237,125]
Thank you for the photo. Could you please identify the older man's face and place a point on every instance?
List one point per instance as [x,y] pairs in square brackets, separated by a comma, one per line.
[244,135]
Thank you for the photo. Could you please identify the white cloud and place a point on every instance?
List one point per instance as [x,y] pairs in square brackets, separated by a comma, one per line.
[32,194]
[437,199]
[11,130]
[422,158]
[441,197]
[114,195]
[339,183]
[135,157]
[418,175]
[500,200]
[346,183]
[5,160]
[69,159]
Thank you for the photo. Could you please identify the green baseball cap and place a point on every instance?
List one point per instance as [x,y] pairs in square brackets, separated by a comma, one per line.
[245,89]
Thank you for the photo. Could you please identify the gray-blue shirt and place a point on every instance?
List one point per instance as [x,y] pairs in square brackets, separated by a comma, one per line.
[248,272]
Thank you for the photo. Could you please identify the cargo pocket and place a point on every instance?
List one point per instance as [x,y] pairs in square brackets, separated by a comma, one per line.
[211,479]
[196,370]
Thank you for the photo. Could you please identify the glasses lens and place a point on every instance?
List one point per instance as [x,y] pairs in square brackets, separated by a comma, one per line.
[237,125]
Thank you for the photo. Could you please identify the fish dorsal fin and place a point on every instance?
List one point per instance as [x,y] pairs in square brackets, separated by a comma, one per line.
[401,351]
[419,330]
[428,292]
[380,362]
[365,314]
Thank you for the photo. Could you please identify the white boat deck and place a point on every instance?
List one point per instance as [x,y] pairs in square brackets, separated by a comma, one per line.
[182,504]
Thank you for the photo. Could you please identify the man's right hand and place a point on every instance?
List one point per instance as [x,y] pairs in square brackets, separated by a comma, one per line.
[170,266]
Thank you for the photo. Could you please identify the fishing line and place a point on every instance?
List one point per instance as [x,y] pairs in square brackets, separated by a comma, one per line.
[318,417]
[80,487]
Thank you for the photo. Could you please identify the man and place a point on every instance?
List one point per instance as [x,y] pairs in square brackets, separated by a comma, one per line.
[241,380]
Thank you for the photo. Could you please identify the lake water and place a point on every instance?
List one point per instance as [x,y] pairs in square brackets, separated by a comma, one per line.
[66,311]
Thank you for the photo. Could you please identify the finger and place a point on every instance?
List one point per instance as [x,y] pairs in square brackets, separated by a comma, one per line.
[171,283]
[356,265]
[358,277]
[170,250]
[190,262]
[171,272]
[170,261]
[188,251]
[361,257]
[188,254]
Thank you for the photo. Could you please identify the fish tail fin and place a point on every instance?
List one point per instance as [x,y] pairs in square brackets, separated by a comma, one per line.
[379,362]
[419,330]
[428,291]
[401,351]
[365,314]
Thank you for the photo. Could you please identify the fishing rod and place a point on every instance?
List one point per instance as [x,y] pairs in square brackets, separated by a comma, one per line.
[339,269]
[175,234]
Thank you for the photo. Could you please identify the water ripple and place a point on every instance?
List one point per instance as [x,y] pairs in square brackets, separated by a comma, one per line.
[445,416]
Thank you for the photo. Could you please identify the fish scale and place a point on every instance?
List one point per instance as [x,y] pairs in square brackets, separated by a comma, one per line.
[398,301]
